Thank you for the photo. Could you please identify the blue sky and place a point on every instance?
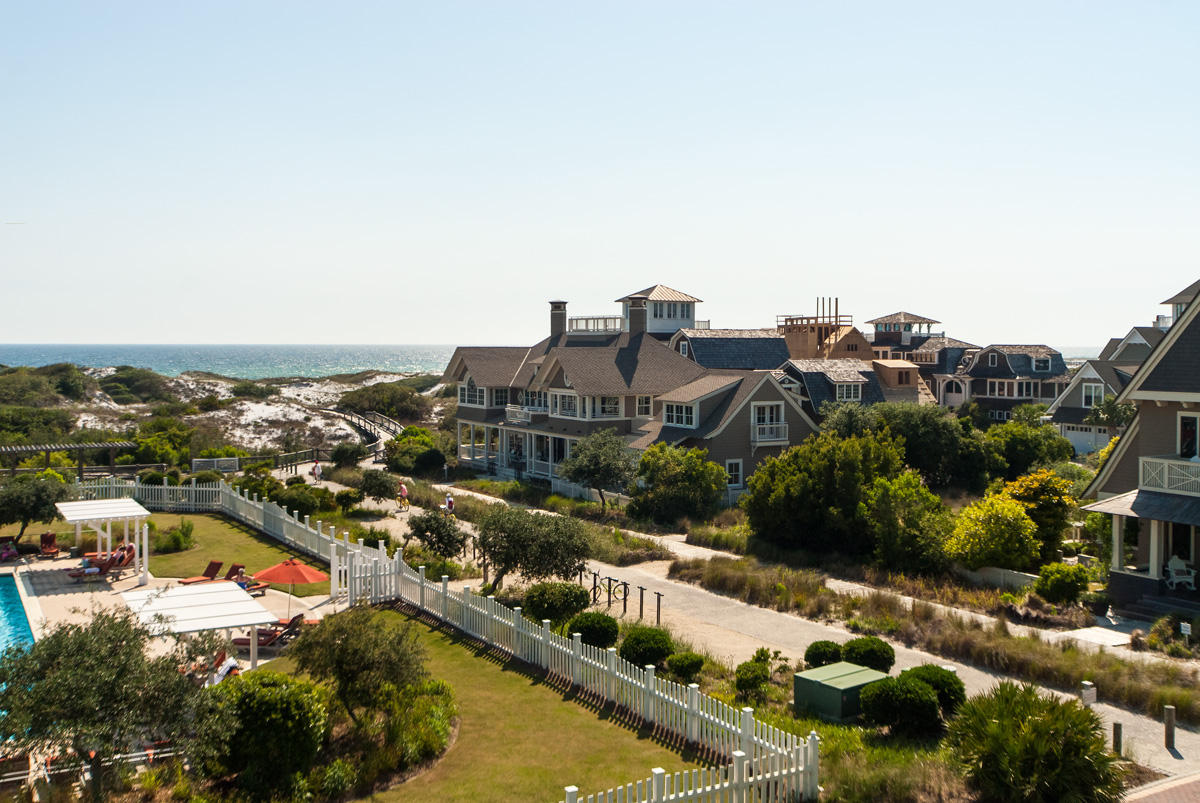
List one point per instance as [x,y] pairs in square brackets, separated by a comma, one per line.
[403,173]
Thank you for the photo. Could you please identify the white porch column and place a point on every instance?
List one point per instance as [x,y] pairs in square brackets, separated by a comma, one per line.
[472,442]
[145,555]
[254,647]
[108,536]
[1156,549]
[1118,542]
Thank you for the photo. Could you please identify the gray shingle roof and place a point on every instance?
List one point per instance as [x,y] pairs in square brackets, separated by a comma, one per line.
[1185,295]
[1110,347]
[630,364]
[1178,371]
[700,388]
[821,377]
[746,349]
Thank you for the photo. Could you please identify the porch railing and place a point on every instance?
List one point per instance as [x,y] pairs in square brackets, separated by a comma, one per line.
[768,433]
[1170,474]
[517,415]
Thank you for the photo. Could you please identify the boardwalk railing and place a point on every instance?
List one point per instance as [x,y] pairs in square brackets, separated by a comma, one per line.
[763,757]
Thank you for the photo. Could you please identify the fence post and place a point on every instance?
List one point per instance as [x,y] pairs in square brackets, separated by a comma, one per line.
[467,611]
[1169,726]
[812,767]
[747,730]
[421,580]
[518,633]
[610,682]
[739,776]
[445,597]
[572,793]
[334,591]
[648,694]
[576,659]
[493,625]
[658,784]
[546,644]
[693,713]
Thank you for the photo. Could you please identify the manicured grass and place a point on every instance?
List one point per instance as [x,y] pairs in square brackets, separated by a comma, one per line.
[521,739]
[219,538]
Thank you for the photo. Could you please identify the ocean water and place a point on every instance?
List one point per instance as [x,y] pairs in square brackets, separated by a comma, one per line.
[242,361]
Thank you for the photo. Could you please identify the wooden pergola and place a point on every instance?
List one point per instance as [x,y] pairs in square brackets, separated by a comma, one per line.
[77,448]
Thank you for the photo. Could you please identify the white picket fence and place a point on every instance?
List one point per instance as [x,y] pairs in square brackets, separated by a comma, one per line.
[767,763]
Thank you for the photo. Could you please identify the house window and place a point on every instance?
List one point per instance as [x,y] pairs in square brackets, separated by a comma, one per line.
[470,393]
[1189,430]
[904,378]
[643,405]
[733,468]
[1000,388]
[683,347]
[679,415]
[499,397]
[565,405]
[1093,394]
[657,307]
[993,360]
[1041,364]
[534,399]
[849,391]
[685,310]
[672,310]
[610,406]
[1027,390]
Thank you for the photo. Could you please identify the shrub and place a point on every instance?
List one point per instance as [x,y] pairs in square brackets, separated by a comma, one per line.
[645,645]
[252,390]
[598,629]
[903,705]
[947,685]
[822,653]
[347,498]
[1061,583]
[685,666]
[1058,746]
[557,602]
[208,475]
[296,479]
[995,531]
[869,651]
[750,679]
[347,454]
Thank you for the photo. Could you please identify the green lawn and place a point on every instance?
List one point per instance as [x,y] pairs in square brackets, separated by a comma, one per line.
[521,739]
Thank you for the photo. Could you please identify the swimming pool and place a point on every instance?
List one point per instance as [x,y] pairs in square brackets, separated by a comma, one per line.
[14,625]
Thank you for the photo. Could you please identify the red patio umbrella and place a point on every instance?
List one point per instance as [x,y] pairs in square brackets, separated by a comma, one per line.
[291,571]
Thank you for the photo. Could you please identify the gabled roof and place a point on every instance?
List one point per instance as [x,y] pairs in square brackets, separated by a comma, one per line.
[1110,348]
[821,377]
[902,317]
[660,292]
[1114,375]
[740,349]
[835,370]
[628,364]
[489,366]
[1186,295]
[700,388]
[1172,370]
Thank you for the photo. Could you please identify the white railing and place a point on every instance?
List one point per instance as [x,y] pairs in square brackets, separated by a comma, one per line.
[595,323]
[517,414]
[701,324]
[768,433]
[1170,474]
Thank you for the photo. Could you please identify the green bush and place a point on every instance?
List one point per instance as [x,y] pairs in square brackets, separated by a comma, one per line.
[644,645]
[685,666]
[347,454]
[869,651]
[1061,583]
[598,629]
[822,653]
[750,680]
[252,390]
[557,602]
[338,779]
[951,693]
[904,705]
[175,539]
[1014,744]
[206,476]
[347,498]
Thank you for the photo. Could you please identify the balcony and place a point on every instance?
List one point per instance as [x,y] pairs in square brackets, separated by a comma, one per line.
[1170,474]
[516,414]
[595,324]
[765,434]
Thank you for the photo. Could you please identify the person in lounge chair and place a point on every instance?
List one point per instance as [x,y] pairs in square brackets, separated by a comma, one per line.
[9,552]
[243,580]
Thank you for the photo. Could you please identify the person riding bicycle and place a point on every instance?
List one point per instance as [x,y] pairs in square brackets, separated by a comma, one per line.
[402,494]
[449,508]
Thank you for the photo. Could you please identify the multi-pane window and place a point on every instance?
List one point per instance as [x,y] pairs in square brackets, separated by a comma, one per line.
[1041,364]
[679,415]
[683,347]
[733,468]
[609,406]
[903,377]
[657,309]
[1027,390]
[563,404]
[1093,394]
[643,405]
[993,360]
[534,399]
[851,347]
[849,391]
[499,397]
[999,388]
[470,393]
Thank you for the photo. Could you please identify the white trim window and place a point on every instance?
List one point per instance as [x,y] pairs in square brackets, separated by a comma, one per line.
[1027,390]
[499,397]
[733,469]
[644,406]
[471,394]
[1041,364]
[657,309]
[993,360]
[849,391]
[1188,435]
[683,347]
[679,415]
[1093,393]
[535,399]
[1000,388]
[564,405]
[606,407]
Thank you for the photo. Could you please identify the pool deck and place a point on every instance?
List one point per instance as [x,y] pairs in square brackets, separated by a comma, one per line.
[52,597]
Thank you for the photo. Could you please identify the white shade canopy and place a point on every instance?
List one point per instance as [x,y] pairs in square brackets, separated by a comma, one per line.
[219,605]
[96,510]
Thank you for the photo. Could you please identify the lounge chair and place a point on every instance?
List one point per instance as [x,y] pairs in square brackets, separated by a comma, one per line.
[274,638]
[1178,574]
[257,589]
[100,573]
[214,568]
[233,570]
[124,560]
[49,546]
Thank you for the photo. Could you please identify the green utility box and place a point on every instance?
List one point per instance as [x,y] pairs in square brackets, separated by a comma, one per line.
[831,692]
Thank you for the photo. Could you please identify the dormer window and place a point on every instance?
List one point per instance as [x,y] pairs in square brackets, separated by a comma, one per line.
[993,360]
[1041,364]
[679,415]
[683,347]
[849,391]
[1093,394]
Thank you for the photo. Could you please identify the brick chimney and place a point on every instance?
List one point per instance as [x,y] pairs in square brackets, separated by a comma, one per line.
[558,318]
[637,314]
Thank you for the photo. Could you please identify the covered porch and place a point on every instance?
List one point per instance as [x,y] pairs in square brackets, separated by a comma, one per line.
[511,451]
[1164,558]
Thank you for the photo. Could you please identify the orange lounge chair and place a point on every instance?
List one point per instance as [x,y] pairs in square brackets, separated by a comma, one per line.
[101,571]
[49,545]
[214,567]
[124,559]
[233,570]
[273,638]
[257,589]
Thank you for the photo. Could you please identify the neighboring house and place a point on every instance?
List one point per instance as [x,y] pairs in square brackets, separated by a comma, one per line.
[1153,474]
[1094,380]
[827,335]
[1135,347]
[520,410]
[667,311]
[815,382]
[939,355]
[1001,377]
[741,349]
[899,333]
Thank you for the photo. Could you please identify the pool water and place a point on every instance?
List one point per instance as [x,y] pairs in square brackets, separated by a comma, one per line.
[14,625]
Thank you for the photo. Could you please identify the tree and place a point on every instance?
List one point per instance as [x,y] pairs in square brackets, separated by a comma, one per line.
[413,451]
[978,460]
[1110,414]
[995,531]
[1029,414]
[440,534]
[503,535]
[347,498]
[1014,744]
[810,496]
[675,482]
[600,461]
[347,454]
[537,545]
[91,690]
[910,524]
[931,438]
[1047,500]
[359,651]
[1024,446]
[848,419]
[30,497]
[379,485]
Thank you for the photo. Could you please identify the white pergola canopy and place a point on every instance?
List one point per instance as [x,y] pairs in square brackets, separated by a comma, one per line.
[95,513]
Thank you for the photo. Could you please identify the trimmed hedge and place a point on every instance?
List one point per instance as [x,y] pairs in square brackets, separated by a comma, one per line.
[557,602]
[869,651]
[598,629]
[646,645]
[685,666]
[903,705]
[822,653]
[948,686]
